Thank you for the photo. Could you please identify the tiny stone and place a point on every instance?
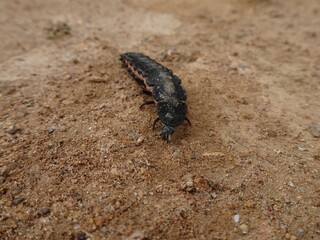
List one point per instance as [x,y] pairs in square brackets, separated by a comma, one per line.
[105,230]
[17,200]
[114,172]
[67,77]
[43,212]
[315,130]
[118,204]
[51,130]
[75,61]
[244,228]
[90,225]
[13,130]
[213,195]
[133,135]
[236,218]
[188,184]
[176,150]
[137,235]
[81,236]
[287,236]
[103,106]
[300,233]
[277,151]
[99,221]
[183,214]
[291,184]
[142,170]
[140,140]
[249,204]
[302,149]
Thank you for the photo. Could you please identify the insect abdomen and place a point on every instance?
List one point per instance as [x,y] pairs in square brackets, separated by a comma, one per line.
[154,75]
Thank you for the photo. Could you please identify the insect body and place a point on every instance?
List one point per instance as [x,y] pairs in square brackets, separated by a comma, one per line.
[165,87]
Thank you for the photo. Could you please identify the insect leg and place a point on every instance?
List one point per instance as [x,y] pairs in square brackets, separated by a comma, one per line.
[145,91]
[146,103]
[155,122]
[187,119]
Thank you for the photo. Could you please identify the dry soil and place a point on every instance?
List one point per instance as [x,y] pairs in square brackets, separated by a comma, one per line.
[79,159]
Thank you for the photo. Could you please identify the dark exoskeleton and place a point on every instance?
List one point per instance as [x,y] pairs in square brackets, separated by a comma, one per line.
[165,87]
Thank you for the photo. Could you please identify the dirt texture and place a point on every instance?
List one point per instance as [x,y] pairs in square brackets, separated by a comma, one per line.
[79,160]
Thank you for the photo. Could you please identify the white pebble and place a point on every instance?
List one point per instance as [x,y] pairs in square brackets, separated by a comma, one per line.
[302,149]
[236,218]
[291,184]
[213,195]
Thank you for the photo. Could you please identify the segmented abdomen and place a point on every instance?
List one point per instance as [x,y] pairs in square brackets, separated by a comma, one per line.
[158,79]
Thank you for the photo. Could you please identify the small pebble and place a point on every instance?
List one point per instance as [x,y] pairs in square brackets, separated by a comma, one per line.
[105,230]
[213,195]
[137,235]
[287,236]
[241,68]
[13,130]
[315,130]
[300,232]
[67,77]
[134,135]
[244,228]
[90,225]
[302,149]
[188,183]
[183,214]
[118,204]
[140,140]
[81,236]
[114,172]
[102,106]
[236,218]
[249,204]
[176,150]
[277,151]
[291,184]
[51,130]
[75,61]
[43,212]
[99,221]
[17,200]
[142,170]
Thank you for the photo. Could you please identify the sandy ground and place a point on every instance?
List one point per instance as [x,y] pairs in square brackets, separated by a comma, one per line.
[79,160]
